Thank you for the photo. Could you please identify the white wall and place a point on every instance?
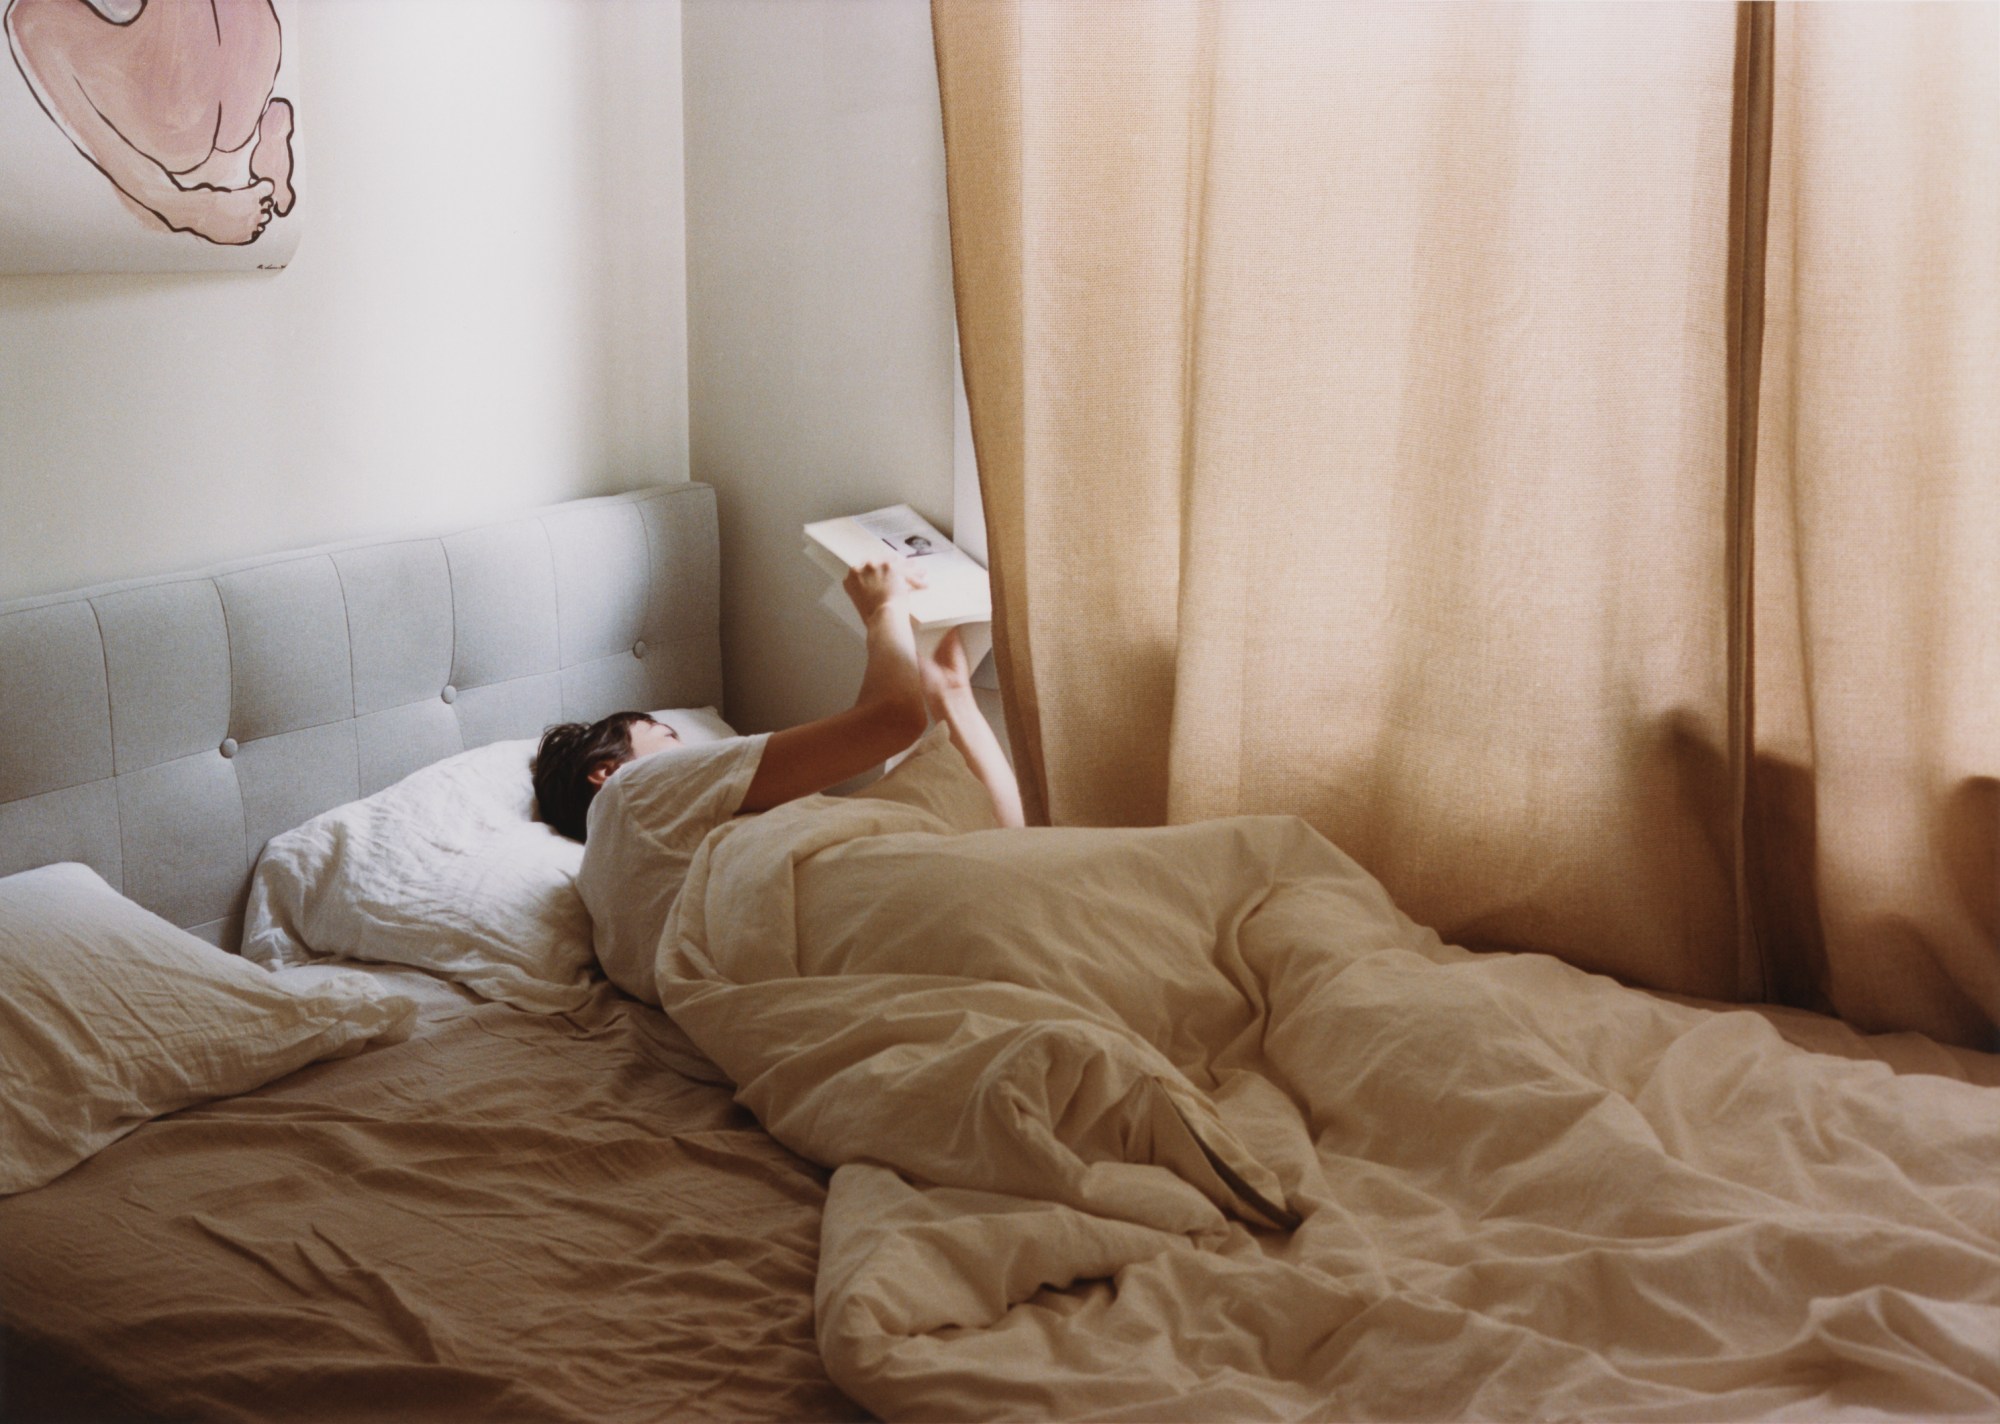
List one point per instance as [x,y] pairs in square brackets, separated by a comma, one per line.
[819,311]
[500,300]
[486,312]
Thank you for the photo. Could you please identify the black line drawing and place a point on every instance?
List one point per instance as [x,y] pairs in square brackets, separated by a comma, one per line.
[172,100]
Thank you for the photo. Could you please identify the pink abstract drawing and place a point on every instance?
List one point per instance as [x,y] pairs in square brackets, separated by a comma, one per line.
[172,100]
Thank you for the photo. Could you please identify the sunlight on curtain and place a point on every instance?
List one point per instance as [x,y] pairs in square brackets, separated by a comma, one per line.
[1357,392]
[1351,390]
[1877,786]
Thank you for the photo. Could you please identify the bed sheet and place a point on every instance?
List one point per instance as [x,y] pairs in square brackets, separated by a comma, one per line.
[509,1216]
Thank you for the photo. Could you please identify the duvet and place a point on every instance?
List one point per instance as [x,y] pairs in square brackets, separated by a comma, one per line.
[1194,1123]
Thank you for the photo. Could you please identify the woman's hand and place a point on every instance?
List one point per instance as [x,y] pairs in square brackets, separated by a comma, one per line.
[880,584]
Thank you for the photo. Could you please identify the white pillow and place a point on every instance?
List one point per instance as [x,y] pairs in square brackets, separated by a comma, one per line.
[447,871]
[110,1017]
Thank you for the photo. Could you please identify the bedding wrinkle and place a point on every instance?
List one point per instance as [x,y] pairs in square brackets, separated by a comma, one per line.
[265,1255]
[346,1275]
[1526,1191]
[1123,959]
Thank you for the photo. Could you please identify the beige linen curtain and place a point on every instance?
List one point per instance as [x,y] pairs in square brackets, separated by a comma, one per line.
[1425,419]
[1877,784]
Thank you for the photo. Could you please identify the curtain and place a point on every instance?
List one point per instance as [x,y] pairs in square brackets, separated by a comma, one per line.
[1424,420]
[1876,794]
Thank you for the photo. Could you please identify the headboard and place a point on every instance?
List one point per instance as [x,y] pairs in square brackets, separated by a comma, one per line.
[161,730]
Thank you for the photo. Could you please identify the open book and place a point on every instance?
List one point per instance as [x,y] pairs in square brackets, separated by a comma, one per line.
[955,593]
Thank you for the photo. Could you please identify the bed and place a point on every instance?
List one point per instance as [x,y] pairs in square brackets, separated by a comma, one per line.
[506,1214]
[941,1121]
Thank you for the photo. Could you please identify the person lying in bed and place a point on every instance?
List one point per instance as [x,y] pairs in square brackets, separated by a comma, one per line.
[641,801]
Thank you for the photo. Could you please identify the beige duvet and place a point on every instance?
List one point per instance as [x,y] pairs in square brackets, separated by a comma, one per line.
[1079,1084]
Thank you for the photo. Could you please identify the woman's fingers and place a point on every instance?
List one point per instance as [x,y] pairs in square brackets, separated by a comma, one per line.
[877,583]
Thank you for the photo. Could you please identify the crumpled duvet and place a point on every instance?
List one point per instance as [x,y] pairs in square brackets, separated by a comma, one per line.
[1193,1123]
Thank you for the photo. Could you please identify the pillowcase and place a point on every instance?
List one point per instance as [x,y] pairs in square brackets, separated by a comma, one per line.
[110,1017]
[446,871]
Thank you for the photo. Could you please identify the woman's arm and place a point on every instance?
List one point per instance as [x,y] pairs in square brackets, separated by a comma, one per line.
[887,715]
[948,693]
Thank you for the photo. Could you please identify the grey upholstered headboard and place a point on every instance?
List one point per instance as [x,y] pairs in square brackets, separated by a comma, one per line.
[161,730]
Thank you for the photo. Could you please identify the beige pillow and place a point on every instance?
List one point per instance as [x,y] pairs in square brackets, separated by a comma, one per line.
[110,1017]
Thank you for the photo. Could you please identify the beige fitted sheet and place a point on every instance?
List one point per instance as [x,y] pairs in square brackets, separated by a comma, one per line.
[509,1216]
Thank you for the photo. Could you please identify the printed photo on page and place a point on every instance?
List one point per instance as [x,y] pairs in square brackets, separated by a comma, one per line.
[904,531]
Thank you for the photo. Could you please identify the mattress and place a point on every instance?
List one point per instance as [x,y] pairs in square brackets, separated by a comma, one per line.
[505,1216]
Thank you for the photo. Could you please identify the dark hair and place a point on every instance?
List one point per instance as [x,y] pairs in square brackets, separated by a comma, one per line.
[569,752]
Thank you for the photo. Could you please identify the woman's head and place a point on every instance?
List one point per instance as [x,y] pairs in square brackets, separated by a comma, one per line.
[573,760]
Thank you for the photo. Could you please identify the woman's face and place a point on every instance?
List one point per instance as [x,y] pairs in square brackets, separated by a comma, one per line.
[650,736]
[646,737]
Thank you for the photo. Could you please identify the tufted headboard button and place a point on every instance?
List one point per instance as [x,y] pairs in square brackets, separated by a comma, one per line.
[228,747]
[639,649]
[450,693]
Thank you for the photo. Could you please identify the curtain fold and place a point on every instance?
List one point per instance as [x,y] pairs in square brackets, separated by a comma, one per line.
[1874,792]
[1075,334]
[1368,407]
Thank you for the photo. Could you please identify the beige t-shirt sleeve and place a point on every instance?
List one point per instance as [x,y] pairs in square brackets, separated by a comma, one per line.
[645,825]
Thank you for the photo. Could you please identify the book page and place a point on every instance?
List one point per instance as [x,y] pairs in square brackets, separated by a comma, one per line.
[904,531]
[955,585]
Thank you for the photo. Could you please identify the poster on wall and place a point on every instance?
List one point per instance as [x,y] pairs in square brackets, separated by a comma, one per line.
[149,136]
